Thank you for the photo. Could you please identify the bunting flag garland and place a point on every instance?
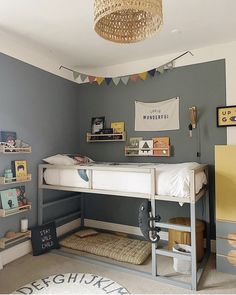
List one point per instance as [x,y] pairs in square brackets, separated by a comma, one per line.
[83,77]
[161,69]
[108,80]
[152,72]
[143,76]
[116,80]
[125,79]
[91,79]
[99,80]
[76,75]
[134,77]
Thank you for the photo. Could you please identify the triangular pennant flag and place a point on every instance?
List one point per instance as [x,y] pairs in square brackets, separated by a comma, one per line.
[161,69]
[91,79]
[125,79]
[143,75]
[134,77]
[75,75]
[152,72]
[83,77]
[116,80]
[169,65]
[108,80]
[100,80]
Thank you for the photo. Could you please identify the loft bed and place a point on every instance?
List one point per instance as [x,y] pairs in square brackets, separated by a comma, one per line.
[138,180]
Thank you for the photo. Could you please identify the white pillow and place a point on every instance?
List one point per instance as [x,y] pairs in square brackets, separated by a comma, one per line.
[60,160]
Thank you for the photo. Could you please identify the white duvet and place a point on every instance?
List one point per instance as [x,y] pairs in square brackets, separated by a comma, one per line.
[171,179]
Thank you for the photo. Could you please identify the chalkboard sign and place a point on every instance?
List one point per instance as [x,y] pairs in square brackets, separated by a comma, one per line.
[44,238]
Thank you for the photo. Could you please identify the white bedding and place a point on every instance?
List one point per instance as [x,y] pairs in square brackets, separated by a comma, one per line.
[171,179]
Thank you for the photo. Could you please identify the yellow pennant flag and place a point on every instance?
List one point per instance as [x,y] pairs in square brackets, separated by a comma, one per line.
[143,76]
[99,80]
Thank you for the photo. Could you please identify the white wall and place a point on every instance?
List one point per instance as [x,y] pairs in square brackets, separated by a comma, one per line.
[32,53]
[43,58]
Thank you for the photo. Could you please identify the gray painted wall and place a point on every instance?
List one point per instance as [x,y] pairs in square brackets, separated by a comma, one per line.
[53,115]
[201,85]
[42,109]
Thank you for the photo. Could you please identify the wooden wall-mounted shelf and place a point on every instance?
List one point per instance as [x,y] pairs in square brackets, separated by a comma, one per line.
[156,152]
[4,242]
[13,150]
[18,210]
[106,137]
[6,181]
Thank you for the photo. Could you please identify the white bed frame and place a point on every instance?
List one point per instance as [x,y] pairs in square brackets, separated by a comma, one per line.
[197,270]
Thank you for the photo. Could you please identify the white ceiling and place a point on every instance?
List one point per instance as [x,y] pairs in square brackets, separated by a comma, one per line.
[65,29]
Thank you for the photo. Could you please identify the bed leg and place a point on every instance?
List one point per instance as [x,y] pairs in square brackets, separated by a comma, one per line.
[82,207]
[193,246]
[40,206]
[154,255]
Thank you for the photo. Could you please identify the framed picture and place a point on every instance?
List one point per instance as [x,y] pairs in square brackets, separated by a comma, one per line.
[118,127]
[8,136]
[97,124]
[19,169]
[226,116]
[160,142]
[9,199]
[134,143]
[21,198]
[146,147]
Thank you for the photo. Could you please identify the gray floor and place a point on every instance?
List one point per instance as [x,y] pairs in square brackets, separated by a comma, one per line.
[30,268]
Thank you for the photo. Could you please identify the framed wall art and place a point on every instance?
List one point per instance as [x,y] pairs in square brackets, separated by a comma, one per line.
[97,124]
[226,116]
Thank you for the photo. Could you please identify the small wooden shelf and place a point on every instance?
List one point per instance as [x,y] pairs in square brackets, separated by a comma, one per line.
[4,242]
[13,150]
[106,137]
[5,181]
[18,210]
[162,152]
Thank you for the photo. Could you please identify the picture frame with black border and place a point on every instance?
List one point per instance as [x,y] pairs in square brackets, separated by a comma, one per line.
[97,124]
[226,116]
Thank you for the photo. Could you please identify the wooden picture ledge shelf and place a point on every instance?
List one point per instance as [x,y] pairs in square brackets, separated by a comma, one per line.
[5,181]
[18,210]
[106,137]
[4,242]
[156,152]
[13,150]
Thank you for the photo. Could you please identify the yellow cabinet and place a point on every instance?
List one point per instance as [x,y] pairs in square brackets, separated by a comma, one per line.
[225,183]
[225,178]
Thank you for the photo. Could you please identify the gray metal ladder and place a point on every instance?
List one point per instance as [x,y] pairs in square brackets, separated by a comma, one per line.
[196,271]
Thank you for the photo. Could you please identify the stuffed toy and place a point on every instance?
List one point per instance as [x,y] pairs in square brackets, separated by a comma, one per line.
[146,219]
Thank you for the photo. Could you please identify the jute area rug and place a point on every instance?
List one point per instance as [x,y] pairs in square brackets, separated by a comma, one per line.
[72,283]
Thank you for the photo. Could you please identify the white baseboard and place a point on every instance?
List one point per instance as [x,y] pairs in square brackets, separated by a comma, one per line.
[24,248]
[133,230]
[61,230]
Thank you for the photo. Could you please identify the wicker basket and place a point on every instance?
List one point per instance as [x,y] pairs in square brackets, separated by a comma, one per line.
[182,237]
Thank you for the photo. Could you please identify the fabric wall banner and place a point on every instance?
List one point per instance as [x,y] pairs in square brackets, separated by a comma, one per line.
[158,116]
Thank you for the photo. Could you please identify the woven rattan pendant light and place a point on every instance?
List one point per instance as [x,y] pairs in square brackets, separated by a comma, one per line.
[127,21]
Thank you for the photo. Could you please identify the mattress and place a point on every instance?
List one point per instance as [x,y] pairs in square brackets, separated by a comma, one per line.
[111,246]
[171,179]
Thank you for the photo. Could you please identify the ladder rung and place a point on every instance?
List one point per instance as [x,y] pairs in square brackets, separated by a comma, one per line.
[173,226]
[169,253]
